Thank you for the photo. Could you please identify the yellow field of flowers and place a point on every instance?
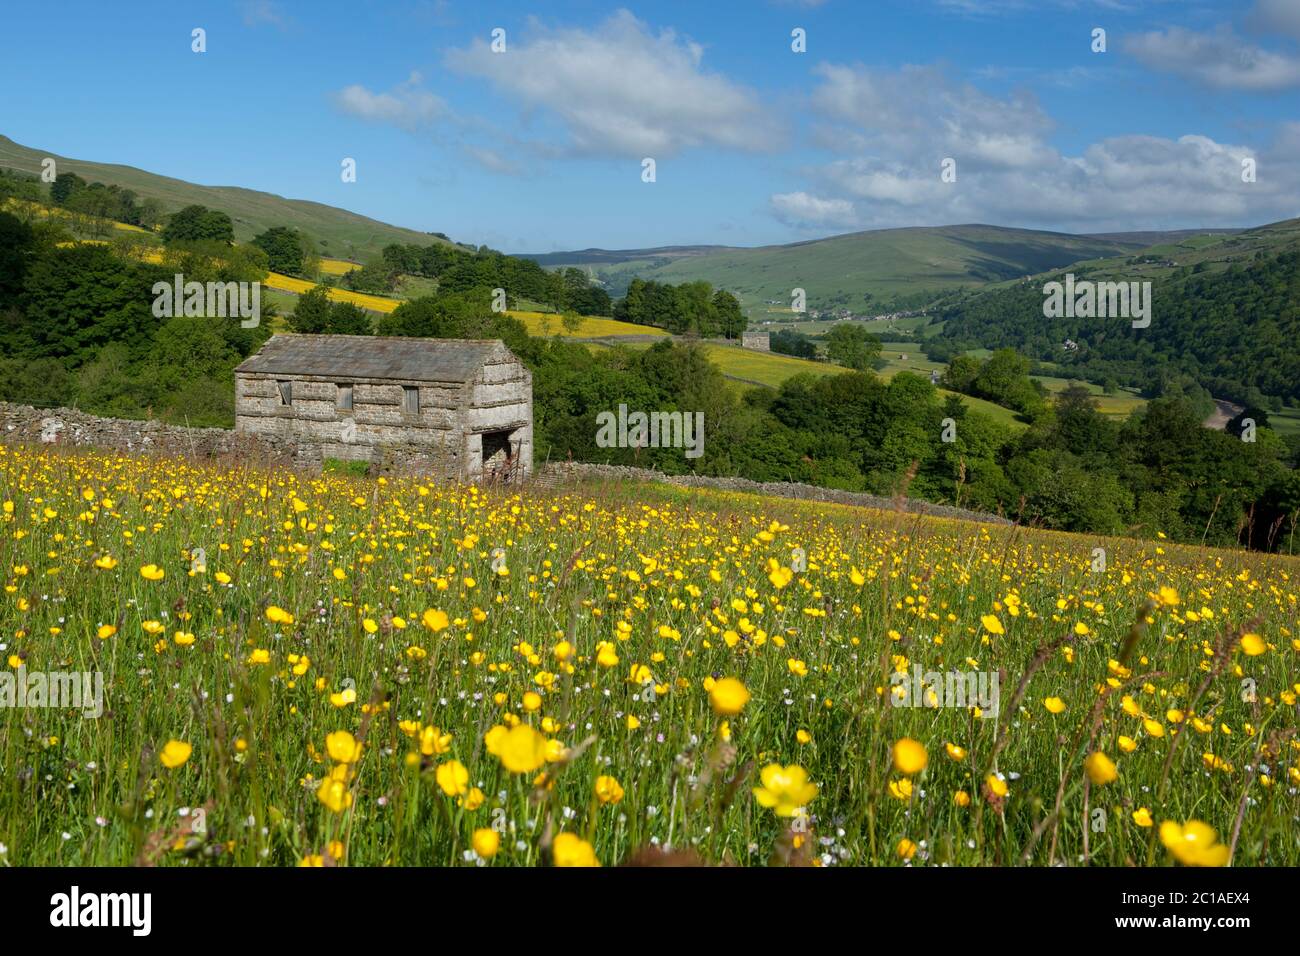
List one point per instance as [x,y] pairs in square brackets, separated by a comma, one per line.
[336,670]
[337,267]
[375,303]
[550,323]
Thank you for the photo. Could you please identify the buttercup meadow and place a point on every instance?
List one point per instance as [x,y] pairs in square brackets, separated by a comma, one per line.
[334,670]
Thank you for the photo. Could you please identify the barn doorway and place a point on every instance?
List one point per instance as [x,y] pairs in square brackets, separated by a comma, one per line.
[500,456]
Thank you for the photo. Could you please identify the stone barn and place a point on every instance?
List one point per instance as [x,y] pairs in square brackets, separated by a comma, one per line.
[458,409]
[762,341]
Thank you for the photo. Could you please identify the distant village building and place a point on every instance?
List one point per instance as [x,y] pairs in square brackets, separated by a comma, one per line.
[1070,345]
[458,409]
[762,341]
[934,376]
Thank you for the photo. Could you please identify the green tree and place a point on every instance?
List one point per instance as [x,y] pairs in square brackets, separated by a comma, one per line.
[311,313]
[726,309]
[284,248]
[852,346]
[64,185]
[199,223]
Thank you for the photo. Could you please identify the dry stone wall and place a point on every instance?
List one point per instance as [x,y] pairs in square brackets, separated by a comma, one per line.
[68,427]
[559,473]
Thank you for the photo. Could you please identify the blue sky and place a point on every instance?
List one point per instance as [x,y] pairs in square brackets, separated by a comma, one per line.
[540,147]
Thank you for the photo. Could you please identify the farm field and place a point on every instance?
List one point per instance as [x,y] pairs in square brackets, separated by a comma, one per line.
[337,267]
[1120,405]
[748,366]
[766,368]
[387,672]
[375,303]
[874,326]
[589,326]
[1285,422]
[893,352]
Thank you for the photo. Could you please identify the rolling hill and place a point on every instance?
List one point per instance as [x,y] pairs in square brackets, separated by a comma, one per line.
[337,232]
[1225,314]
[879,270]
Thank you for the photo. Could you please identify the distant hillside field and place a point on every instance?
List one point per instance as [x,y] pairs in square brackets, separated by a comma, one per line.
[863,271]
[589,326]
[337,232]
[337,267]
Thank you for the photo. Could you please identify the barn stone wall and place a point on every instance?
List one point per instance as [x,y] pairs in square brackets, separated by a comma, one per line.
[461,429]
[376,429]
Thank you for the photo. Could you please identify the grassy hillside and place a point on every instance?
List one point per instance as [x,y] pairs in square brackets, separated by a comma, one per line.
[1226,312]
[1209,251]
[336,231]
[860,271]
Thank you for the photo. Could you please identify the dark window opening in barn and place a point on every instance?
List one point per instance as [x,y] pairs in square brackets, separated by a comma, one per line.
[344,402]
[410,399]
[498,455]
[286,393]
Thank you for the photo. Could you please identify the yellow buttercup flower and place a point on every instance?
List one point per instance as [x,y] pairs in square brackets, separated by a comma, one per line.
[452,778]
[996,785]
[434,742]
[334,794]
[784,790]
[1100,769]
[910,756]
[278,615]
[175,753]
[608,790]
[521,749]
[342,747]
[568,849]
[1193,843]
[728,697]
[1253,644]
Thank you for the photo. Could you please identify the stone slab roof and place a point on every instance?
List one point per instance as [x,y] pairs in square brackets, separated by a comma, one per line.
[395,358]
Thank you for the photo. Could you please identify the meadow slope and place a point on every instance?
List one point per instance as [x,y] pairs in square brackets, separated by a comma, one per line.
[334,670]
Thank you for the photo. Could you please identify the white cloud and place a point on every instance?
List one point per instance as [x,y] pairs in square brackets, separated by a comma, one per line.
[623,90]
[1280,15]
[803,210]
[492,160]
[406,105]
[892,129]
[258,12]
[917,111]
[1219,59]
